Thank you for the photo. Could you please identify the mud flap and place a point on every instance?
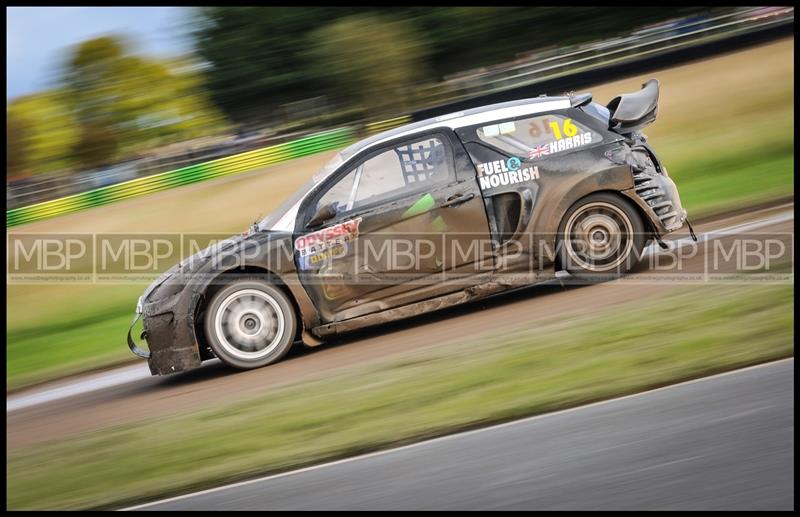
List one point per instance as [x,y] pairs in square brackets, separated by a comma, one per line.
[135,349]
[691,230]
[661,243]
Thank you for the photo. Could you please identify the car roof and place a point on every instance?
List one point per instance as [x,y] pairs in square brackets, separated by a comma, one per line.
[480,115]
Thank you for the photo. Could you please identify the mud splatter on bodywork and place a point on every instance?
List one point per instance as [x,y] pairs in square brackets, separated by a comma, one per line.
[518,215]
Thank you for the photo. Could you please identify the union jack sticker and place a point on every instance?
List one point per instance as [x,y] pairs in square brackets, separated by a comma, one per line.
[538,151]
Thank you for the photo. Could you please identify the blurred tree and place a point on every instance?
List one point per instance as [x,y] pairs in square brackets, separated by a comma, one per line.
[257,56]
[96,147]
[15,146]
[468,37]
[92,73]
[124,103]
[379,78]
[47,128]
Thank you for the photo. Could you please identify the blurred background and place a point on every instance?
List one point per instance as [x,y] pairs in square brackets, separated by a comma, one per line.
[226,80]
[97,97]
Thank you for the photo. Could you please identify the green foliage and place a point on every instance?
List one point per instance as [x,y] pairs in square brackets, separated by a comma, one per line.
[111,104]
[256,55]
[46,129]
[97,145]
[379,79]
[125,103]
[260,58]
[15,146]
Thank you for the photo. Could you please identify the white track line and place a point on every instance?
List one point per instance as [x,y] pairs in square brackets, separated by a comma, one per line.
[126,375]
[88,384]
[722,232]
[456,435]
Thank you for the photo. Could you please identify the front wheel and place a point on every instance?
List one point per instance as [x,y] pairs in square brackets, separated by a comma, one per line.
[602,235]
[250,323]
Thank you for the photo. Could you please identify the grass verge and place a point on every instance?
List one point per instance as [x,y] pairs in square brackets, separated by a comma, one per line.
[691,333]
[736,180]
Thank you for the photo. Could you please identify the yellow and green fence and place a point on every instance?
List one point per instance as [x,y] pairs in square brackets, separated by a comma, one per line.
[384,125]
[175,178]
[243,162]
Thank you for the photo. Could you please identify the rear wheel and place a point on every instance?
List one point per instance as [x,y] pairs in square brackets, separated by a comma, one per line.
[250,323]
[602,235]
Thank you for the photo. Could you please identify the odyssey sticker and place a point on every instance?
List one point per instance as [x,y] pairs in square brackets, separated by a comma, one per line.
[327,243]
[505,172]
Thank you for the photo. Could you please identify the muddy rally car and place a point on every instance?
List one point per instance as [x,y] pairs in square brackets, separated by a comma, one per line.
[419,218]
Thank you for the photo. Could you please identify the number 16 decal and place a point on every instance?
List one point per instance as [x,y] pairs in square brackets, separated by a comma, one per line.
[570,129]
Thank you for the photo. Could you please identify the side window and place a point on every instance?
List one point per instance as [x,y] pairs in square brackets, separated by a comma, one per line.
[392,174]
[538,137]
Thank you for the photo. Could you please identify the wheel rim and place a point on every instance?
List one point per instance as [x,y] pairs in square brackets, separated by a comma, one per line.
[249,324]
[598,236]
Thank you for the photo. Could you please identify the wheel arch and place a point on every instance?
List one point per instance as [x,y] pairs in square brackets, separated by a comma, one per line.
[299,300]
[617,193]
[645,219]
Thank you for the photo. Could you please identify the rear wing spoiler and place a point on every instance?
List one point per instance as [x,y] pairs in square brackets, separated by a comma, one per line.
[633,111]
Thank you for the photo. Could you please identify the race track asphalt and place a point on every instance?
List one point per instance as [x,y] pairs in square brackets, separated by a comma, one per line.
[723,442]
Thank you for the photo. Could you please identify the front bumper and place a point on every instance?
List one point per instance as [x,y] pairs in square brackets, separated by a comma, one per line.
[170,338]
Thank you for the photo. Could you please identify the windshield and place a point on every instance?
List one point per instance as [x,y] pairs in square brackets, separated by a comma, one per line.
[284,208]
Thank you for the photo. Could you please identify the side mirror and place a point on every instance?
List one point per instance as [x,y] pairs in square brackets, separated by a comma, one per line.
[323,214]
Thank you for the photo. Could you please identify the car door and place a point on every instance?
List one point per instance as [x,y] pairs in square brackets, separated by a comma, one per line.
[395,224]
[524,165]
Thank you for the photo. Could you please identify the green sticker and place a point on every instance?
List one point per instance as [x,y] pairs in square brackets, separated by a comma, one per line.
[439,225]
[421,206]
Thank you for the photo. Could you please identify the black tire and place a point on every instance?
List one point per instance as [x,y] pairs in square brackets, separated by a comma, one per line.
[250,323]
[602,236]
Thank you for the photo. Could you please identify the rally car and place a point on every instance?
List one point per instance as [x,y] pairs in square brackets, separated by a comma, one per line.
[419,218]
